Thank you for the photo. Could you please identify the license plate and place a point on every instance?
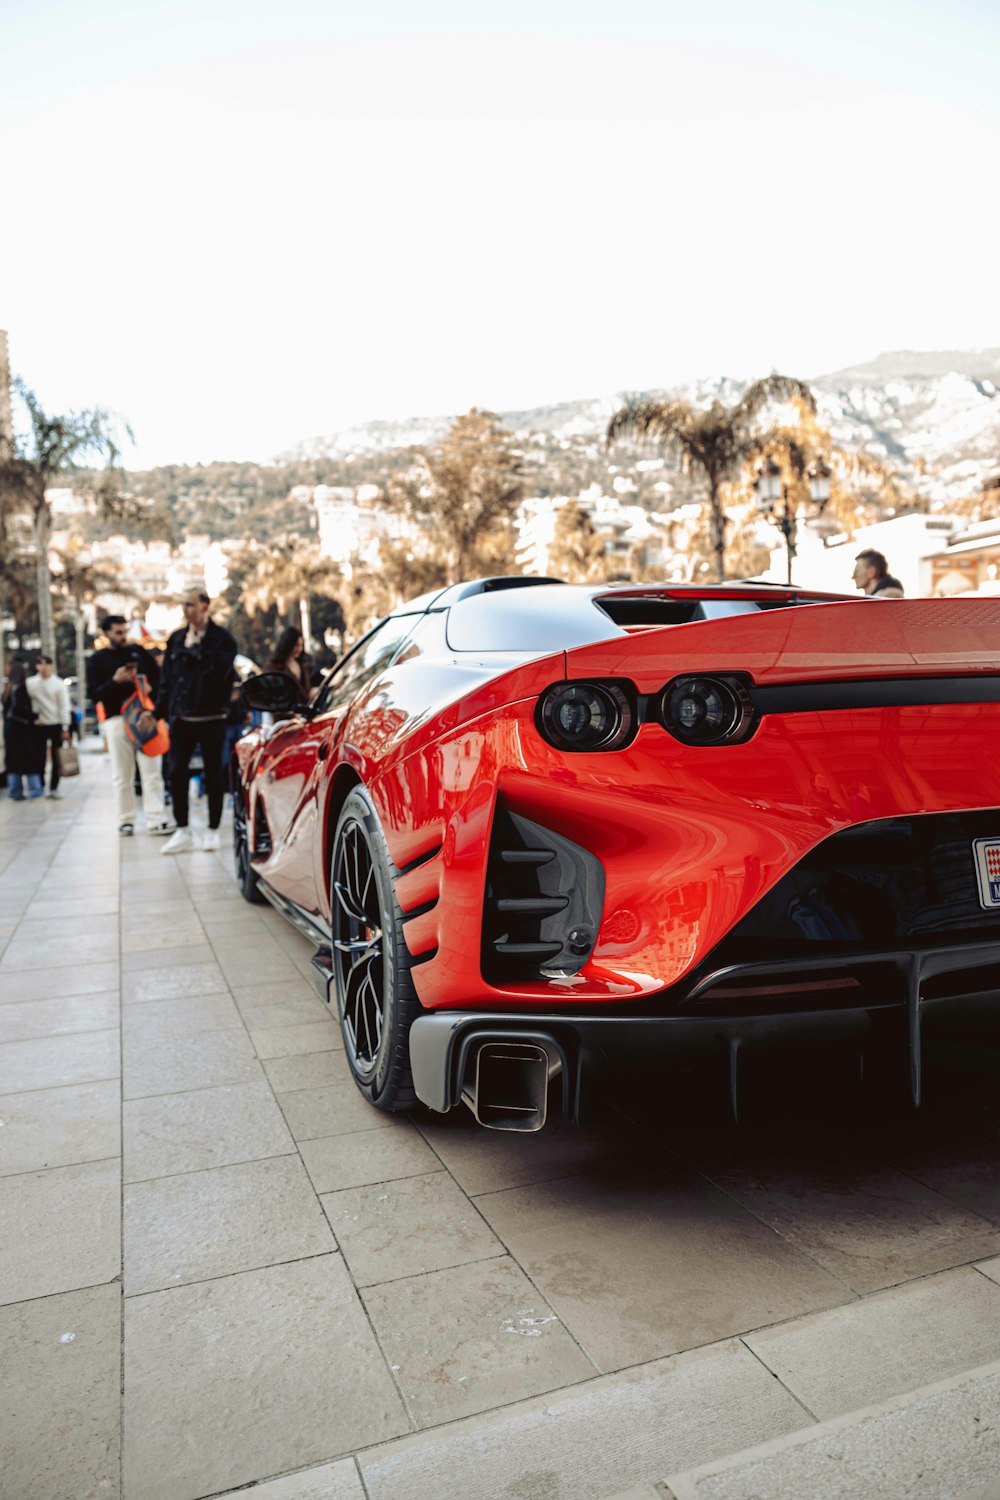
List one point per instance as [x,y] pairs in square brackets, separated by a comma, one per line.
[986,853]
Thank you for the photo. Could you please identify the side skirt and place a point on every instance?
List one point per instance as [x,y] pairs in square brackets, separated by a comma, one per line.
[321,962]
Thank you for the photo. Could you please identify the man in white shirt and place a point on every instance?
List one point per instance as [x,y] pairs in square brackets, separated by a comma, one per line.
[50,700]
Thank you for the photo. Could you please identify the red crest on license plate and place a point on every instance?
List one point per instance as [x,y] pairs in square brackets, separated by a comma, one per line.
[986,853]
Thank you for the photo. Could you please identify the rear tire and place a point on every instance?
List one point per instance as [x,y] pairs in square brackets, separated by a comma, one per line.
[376,1000]
[246,875]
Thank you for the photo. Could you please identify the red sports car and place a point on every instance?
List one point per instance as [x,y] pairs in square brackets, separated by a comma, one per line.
[532,826]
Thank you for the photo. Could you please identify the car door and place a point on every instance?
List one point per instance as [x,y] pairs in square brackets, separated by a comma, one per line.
[302,753]
[282,780]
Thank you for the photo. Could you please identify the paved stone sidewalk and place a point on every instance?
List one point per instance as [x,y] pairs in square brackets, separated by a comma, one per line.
[200,1211]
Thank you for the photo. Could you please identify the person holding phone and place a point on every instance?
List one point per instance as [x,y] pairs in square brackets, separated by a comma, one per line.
[112,678]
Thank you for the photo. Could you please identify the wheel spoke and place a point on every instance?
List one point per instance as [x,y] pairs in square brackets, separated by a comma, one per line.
[369,894]
[352,997]
[361,945]
[355,965]
[346,899]
[362,1007]
[376,1010]
[356,871]
[357,938]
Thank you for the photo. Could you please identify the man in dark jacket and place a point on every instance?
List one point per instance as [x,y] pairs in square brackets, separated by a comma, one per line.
[193,697]
[871,573]
[112,678]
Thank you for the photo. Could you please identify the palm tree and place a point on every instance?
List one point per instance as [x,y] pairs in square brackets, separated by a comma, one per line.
[55,447]
[715,439]
[578,552]
[77,580]
[288,572]
[463,495]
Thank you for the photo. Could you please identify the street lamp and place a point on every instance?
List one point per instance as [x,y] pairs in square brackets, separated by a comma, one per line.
[770,488]
[819,485]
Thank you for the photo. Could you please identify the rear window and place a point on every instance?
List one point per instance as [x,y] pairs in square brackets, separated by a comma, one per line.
[633,613]
[528,621]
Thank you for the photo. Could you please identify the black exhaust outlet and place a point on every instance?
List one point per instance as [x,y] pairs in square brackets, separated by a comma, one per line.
[506,1079]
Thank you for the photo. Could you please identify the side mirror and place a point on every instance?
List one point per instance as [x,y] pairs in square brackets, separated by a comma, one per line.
[271,693]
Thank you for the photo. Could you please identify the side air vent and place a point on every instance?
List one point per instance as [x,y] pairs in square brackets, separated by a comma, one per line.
[261,832]
[544,896]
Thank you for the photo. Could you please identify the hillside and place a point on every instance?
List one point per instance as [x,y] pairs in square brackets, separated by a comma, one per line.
[934,415]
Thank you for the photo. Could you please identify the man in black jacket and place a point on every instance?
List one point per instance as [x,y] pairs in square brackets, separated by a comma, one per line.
[871,573]
[193,696]
[112,678]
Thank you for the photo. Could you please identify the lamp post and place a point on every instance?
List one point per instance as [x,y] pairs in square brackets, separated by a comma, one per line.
[770,488]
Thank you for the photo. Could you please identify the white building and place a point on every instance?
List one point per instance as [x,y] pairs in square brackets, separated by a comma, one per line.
[623,527]
[908,543]
[352,524]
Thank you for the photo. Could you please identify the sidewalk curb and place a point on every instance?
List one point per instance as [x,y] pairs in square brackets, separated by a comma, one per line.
[692,1484]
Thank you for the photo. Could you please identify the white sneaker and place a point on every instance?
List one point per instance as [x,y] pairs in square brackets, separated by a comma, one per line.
[179,842]
[210,839]
[160,827]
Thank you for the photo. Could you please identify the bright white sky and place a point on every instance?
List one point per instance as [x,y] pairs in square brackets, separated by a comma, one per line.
[243,222]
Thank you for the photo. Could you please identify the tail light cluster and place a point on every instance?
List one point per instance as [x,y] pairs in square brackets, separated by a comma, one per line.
[605,714]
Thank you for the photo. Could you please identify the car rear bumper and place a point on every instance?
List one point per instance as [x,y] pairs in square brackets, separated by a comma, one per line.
[758,1004]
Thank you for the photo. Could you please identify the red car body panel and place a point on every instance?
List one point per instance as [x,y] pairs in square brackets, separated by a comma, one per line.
[690,837]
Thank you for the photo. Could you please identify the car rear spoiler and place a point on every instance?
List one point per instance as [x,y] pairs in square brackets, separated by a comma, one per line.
[810,643]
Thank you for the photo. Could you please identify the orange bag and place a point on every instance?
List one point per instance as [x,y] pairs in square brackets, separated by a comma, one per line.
[151,742]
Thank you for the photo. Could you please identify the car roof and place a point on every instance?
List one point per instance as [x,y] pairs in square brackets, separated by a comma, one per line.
[520,590]
[531,615]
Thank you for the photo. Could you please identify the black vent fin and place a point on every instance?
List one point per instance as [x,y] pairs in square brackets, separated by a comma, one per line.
[544,896]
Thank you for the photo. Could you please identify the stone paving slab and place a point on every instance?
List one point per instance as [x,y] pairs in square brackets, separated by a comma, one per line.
[939,1443]
[199,1225]
[61,1362]
[210,1127]
[588,1441]
[414,1225]
[471,1338]
[61,1230]
[246,1376]
[871,1226]
[60,1127]
[887,1344]
[640,1264]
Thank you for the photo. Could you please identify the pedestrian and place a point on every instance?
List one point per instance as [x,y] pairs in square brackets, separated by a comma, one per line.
[194,698]
[24,745]
[50,699]
[237,724]
[291,661]
[112,677]
[871,575]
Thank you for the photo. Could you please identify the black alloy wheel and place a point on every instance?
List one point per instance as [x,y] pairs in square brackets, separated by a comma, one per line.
[376,1000]
[246,875]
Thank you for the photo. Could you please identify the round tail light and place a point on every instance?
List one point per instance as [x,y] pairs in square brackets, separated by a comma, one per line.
[706,710]
[585,716]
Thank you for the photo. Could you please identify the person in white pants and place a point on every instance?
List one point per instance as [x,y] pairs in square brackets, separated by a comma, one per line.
[112,676]
[124,758]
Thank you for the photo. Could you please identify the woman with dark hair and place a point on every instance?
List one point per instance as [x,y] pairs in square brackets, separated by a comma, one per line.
[290,660]
[24,742]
